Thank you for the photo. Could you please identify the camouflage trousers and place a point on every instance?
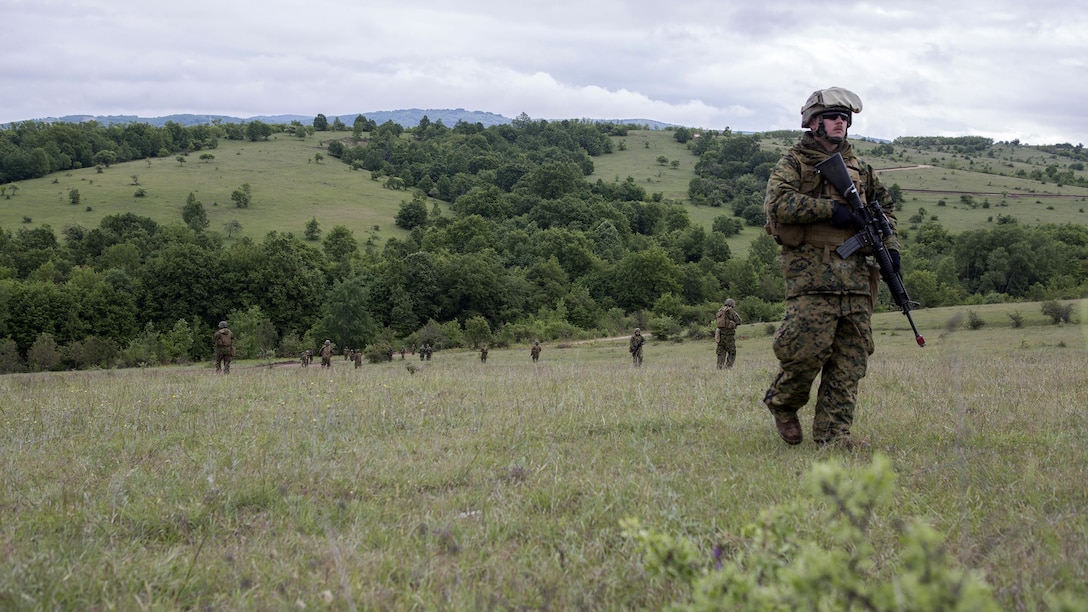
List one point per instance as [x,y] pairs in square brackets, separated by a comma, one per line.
[826,335]
[727,348]
[222,360]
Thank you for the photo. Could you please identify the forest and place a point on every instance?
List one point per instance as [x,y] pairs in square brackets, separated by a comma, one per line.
[505,241]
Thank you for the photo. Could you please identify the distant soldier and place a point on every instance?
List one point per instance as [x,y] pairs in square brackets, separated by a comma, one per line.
[725,334]
[389,354]
[358,358]
[326,354]
[535,351]
[636,347]
[403,351]
[223,340]
[307,355]
[347,354]
[429,350]
[483,354]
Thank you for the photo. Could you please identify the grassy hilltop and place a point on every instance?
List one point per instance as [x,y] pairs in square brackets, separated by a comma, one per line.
[290,187]
[452,484]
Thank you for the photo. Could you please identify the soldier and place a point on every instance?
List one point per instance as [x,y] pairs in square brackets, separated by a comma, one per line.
[223,340]
[358,358]
[636,347]
[306,356]
[326,354]
[725,333]
[535,351]
[829,300]
[483,353]
[347,354]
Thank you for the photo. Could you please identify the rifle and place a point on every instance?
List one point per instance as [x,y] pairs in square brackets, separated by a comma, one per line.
[874,228]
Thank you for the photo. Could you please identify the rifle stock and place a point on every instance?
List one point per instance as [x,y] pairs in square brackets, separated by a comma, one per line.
[875,228]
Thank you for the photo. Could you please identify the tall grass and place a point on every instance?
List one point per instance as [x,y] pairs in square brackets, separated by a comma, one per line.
[470,485]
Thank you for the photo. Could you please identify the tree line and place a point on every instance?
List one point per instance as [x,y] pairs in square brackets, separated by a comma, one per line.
[507,242]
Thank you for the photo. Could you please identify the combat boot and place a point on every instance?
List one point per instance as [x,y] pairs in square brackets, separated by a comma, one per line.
[789,429]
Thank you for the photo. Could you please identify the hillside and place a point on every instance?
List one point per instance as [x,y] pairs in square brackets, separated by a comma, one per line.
[290,188]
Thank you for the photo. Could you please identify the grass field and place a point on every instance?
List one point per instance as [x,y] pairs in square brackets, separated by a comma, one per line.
[289,188]
[462,485]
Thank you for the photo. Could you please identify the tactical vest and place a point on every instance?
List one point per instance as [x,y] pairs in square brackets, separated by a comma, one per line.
[821,233]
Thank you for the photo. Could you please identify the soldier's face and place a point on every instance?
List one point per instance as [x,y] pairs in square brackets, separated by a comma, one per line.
[835,124]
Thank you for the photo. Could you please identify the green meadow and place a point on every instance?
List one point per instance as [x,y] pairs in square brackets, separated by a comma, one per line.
[289,188]
[452,484]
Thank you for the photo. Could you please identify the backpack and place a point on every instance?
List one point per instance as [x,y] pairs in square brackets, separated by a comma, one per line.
[723,318]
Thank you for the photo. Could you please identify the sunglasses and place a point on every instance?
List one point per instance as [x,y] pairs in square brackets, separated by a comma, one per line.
[836,115]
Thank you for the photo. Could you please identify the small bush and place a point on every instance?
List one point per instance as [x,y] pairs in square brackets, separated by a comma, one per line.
[1017,319]
[974,321]
[1058,313]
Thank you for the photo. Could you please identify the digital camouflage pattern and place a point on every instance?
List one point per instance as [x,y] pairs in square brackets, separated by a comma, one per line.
[829,300]
[726,337]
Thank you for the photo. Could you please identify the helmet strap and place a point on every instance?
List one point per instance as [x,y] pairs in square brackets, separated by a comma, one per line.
[822,133]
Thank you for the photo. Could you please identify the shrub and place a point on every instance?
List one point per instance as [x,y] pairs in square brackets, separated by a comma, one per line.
[974,321]
[1058,313]
[816,554]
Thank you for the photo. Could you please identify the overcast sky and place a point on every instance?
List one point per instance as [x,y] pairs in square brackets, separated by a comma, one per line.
[997,68]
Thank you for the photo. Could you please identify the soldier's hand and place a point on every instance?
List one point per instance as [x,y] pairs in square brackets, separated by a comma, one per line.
[895,262]
[844,217]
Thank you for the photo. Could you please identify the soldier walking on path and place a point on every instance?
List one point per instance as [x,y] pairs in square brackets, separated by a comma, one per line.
[725,333]
[223,340]
[535,351]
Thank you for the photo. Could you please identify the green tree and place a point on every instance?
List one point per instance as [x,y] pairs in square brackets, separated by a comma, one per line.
[232,227]
[73,197]
[313,229]
[321,123]
[193,214]
[412,213]
[258,130]
[477,331]
[340,244]
[43,356]
[345,317]
[243,196]
[640,278]
[105,158]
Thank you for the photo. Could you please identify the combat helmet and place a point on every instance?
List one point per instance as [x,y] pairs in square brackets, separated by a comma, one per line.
[830,99]
[222,324]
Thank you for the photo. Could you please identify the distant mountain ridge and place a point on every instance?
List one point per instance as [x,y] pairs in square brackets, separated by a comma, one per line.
[408,117]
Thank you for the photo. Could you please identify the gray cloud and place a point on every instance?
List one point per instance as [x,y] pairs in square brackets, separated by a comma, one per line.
[1001,69]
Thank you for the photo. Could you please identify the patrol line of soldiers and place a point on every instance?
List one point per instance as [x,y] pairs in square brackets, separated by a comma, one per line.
[827,328]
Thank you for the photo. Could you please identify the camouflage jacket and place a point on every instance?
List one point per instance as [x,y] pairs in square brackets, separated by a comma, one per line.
[799,203]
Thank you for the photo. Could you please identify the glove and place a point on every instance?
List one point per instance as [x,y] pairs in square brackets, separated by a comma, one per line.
[843,217]
[895,262]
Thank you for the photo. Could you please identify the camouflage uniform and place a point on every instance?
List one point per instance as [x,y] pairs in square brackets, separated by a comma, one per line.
[636,347]
[829,300]
[483,354]
[223,340]
[726,337]
[326,354]
[535,351]
[358,358]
